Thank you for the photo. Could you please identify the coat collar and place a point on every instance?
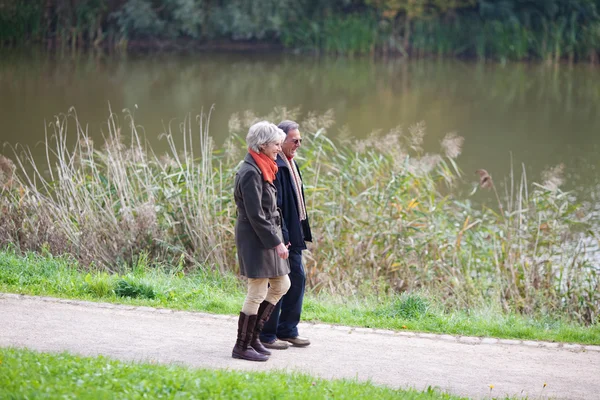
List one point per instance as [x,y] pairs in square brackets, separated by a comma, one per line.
[248,159]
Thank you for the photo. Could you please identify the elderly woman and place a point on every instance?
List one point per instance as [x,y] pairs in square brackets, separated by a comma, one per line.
[261,252]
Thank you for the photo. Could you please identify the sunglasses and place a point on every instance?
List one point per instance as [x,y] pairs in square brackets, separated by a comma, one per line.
[296,141]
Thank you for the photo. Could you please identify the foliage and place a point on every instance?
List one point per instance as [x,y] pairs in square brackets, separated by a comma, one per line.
[242,20]
[198,19]
[131,288]
[386,217]
[503,30]
[418,8]
[20,21]
[138,18]
[360,35]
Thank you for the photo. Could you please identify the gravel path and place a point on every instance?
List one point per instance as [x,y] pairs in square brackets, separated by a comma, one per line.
[461,365]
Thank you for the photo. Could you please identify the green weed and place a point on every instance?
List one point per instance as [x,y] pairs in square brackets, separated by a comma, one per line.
[133,288]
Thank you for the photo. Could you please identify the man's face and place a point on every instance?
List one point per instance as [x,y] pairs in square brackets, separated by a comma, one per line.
[291,143]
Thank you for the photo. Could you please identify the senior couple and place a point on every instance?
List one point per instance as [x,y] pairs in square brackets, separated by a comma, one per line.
[270,234]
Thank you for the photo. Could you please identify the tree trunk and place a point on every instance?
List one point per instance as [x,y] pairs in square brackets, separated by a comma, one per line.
[48,21]
[407,31]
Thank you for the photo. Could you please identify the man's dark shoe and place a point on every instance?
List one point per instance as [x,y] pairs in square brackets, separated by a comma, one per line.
[276,344]
[297,341]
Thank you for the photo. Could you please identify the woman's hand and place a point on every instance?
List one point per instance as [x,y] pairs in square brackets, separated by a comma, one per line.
[282,251]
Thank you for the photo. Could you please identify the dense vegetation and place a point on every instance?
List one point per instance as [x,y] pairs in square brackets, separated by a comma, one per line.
[387,218]
[498,29]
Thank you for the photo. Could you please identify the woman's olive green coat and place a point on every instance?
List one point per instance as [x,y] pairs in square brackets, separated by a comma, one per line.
[257,229]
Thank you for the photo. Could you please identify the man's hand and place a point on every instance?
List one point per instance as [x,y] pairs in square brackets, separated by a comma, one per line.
[282,251]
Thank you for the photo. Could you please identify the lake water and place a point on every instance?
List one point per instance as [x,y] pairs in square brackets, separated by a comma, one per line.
[540,114]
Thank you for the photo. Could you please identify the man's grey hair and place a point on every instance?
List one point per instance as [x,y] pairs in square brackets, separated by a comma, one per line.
[262,133]
[287,126]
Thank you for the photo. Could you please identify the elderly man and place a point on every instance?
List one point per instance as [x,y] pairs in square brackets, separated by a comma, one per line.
[281,329]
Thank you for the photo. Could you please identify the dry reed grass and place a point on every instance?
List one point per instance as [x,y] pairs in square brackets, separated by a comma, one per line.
[384,214]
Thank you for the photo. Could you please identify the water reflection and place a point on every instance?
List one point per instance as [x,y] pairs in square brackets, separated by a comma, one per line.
[542,115]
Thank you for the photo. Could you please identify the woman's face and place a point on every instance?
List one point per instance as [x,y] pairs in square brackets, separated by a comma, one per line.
[271,149]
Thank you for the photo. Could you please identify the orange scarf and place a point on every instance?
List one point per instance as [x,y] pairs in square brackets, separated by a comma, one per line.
[267,166]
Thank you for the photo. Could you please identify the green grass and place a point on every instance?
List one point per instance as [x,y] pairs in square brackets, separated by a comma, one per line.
[31,375]
[35,274]
[59,276]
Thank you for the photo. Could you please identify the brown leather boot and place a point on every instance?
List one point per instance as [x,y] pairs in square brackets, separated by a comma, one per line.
[242,348]
[264,313]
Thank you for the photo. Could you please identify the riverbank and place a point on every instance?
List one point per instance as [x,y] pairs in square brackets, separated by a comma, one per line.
[219,293]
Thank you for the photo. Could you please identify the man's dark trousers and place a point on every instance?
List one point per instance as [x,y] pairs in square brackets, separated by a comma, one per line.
[290,305]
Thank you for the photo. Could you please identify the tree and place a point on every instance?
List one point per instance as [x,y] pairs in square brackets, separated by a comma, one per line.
[403,12]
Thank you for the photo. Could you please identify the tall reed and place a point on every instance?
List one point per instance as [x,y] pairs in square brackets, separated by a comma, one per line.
[105,206]
[386,216]
[390,220]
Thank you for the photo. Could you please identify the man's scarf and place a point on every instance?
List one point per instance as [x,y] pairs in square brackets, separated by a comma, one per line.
[297,184]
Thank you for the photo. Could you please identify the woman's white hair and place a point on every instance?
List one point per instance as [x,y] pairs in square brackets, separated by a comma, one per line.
[262,133]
